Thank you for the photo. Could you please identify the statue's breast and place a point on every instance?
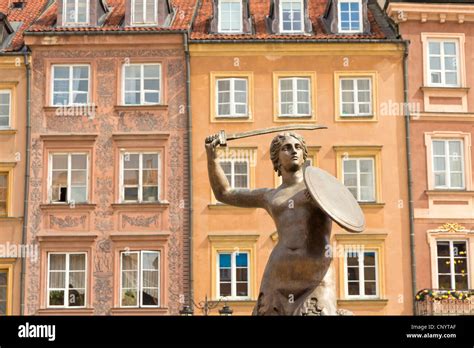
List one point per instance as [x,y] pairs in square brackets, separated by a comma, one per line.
[289,201]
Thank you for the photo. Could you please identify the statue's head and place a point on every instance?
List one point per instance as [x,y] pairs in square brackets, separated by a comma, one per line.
[288,151]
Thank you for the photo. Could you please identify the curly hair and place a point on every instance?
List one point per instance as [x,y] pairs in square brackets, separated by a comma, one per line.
[276,144]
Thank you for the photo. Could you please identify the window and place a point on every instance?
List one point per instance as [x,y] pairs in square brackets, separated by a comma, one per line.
[350,16]
[3,292]
[70,85]
[361,274]
[144,12]
[294,97]
[5,108]
[453,273]
[291,16]
[443,63]
[358,176]
[448,164]
[356,97]
[76,12]
[237,172]
[140,279]
[3,194]
[232,97]
[142,84]
[68,178]
[67,279]
[230,16]
[140,177]
[233,274]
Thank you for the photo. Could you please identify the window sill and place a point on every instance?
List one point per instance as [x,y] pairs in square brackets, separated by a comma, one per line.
[219,206]
[8,131]
[377,302]
[235,302]
[341,118]
[10,218]
[444,192]
[66,206]
[371,204]
[141,107]
[139,311]
[141,206]
[302,119]
[66,311]
[445,88]
[79,110]
[234,119]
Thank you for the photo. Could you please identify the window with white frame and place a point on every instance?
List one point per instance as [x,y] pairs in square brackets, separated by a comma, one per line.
[140,177]
[144,12]
[358,177]
[350,16]
[443,63]
[291,16]
[67,281]
[232,97]
[294,96]
[3,193]
[142,84]
[453,265]
[448,164]
[68,177]
[237,172]
[356,97]
[76,12]
[5,108]
[70,84]
[140,278]
[361,274]
[233,274]
[230,16]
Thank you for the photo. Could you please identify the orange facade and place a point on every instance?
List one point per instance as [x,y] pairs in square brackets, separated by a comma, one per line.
[220,229]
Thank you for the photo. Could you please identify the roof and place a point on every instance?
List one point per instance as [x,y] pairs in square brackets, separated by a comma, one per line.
[260,9]
[183,10]
[25,16]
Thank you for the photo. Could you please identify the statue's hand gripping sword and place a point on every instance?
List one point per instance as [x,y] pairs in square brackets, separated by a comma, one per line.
[224,138]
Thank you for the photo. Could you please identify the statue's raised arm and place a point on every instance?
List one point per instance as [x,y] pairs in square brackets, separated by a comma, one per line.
[221,187]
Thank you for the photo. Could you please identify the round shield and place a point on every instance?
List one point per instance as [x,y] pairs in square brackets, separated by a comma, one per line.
[335,199]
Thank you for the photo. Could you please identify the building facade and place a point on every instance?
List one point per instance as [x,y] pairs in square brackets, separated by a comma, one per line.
[109,174]
[257,64]
[440,67]
[14,19]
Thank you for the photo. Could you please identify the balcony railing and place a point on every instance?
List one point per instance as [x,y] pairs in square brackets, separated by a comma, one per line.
[444,302]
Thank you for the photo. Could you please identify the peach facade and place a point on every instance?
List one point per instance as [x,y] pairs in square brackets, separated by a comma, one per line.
[105,227]
[225,228]
[442,213]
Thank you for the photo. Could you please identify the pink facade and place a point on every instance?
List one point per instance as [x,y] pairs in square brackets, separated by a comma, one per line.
[442,124]
[107,228]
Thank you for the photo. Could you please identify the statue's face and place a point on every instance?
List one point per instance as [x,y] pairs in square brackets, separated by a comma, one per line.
[291,155]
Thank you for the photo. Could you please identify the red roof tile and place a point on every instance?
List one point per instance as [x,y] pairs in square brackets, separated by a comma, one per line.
[259,9]
[184,10]
[30,11]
